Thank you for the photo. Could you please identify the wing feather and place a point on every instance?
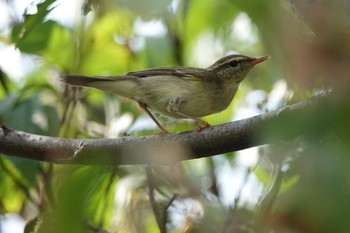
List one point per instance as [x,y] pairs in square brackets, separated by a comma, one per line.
[187,72]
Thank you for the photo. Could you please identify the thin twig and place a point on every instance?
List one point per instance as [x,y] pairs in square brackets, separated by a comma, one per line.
[233,221]
[154,205]
[108,189]
[165,211]
[238,196]
[214,183]
[69,111]
[48,197]
[3,82]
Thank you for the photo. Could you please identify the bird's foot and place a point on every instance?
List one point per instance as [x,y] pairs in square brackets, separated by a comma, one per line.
[204,125]
[162,132]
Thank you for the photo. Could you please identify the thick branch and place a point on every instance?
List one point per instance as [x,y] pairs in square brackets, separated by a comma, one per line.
[167,149]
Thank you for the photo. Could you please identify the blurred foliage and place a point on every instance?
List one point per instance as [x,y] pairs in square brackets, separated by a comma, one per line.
[300,185]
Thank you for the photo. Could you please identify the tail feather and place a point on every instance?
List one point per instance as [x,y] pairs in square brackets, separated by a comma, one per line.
[83,80]
[121,85]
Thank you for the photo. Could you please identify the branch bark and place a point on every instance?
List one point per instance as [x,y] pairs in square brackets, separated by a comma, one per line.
[167,149]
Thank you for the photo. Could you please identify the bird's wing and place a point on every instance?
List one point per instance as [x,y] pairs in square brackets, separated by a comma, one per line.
[184,72]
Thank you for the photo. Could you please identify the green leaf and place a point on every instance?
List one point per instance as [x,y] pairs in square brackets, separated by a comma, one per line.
[27,168]
[53,121]
[7,104]
[146,8]
[288,183]
[203,16]
[33,225]
[21,116]
[11,193]
[24,29]
[262,175]
[29,115]
[158,51]
[38,40]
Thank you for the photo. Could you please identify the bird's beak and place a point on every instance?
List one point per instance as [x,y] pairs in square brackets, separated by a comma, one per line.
[258,60]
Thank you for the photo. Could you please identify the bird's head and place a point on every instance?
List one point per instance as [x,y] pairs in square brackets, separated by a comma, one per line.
[235,67]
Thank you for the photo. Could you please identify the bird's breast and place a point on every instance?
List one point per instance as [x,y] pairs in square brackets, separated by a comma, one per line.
[197,98]
[221,98]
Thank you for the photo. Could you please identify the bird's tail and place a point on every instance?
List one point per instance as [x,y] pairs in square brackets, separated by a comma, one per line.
[83,80]
[121,85]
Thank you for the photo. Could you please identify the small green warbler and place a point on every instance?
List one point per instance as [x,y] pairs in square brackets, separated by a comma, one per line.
[178,92]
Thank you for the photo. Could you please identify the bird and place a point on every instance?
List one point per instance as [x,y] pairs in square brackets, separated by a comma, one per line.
[177,92]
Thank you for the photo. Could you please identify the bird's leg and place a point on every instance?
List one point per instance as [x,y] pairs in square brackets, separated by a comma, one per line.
[145,108]
[173,107]
[204,124]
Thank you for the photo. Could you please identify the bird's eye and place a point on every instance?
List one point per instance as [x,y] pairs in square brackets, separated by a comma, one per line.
[233,63]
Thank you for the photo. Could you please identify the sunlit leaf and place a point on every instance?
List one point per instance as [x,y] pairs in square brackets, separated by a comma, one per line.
[13,196]
[38,40]
[31,22]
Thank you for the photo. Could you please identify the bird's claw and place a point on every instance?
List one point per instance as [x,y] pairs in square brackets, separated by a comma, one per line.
[204,125]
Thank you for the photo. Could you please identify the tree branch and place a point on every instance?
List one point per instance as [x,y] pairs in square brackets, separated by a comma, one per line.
[167,149]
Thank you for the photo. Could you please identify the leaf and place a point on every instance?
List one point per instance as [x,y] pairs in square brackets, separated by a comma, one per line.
[288,183]
[11,195]
[24,29]
[98,51]
[38,39]
[52,120]
[7,104]
[33,225]
[29,115]
[21,116]
[146,8]
[158,51]
[27,168]
[87,6]
[263,176]
[203,16]
[79,190]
